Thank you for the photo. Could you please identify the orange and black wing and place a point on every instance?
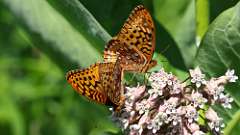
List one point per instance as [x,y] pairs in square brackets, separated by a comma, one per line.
[87,82]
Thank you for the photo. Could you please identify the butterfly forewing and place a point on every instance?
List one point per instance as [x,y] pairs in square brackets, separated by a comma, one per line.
[100,82]
[139,31]
[135,43]
[87,82]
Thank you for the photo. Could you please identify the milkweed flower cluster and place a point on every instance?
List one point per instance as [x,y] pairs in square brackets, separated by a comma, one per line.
[169,106]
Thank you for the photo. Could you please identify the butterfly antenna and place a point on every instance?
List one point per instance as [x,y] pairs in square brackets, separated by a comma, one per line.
[165,49]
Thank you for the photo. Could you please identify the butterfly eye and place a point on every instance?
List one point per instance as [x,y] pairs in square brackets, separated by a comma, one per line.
[135,54]
[145,23]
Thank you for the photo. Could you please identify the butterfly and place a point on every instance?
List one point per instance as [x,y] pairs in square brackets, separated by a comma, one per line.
[100,82]
[135,43]
[130,50]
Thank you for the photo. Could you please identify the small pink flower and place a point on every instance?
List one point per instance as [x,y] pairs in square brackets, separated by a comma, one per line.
[135,129]
[177,87]
[197,77]
[161,79]
[225,100]
[214,89]
[175,118]
[211,86]
[162,108]
[155,92]
[191,113]
[156,123]
[198,99]
[211,115]
[231,76]
[144,119]
[171,104]
[193,127]
[170,79]
[215,123]
[135,92]
[138,128]
[143,106]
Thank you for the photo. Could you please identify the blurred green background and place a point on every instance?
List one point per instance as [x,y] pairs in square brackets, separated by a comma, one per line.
[40,40]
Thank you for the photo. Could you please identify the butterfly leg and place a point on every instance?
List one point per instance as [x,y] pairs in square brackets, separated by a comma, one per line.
[152,64]
[120,105]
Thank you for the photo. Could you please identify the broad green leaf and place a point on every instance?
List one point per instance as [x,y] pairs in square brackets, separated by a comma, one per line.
[54,34]
[178,17]
[218,6]
[83,21]
[219,51]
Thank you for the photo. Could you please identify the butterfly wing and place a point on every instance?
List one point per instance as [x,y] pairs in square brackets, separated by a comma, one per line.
[135,42]
[139,31]
[100,82]
[87,82]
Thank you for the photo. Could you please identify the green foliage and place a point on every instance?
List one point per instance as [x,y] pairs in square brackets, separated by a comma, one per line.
[219,51]
[181,24]
[42,39]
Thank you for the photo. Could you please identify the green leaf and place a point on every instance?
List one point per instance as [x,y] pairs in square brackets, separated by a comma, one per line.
[218,6]
[10,113]
[83,21]
[178,17]
[202,18]
[50,31]
[166,46]
[220,51]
